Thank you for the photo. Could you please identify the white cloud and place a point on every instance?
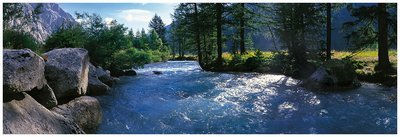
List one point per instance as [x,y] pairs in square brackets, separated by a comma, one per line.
[108,20]
[136,15]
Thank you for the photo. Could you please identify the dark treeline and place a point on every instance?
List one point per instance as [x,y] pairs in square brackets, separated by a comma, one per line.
[301,33]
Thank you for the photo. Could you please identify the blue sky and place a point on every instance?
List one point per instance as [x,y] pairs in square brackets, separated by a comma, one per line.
[132,15]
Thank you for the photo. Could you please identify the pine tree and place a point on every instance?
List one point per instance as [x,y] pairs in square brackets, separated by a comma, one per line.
[197,31]
[158,25]
[364,34]
[155,43]
[144,43]
[299,27]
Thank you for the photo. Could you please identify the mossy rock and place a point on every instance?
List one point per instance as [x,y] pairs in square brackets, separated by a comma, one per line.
[333,75]
[343,70]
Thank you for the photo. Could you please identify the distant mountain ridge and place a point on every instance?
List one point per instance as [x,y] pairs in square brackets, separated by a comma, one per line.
[50,20]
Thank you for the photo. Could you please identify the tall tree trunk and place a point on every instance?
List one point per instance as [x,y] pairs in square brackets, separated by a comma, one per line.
[183,51]
[199,55]
[180,49]
[173,51]
[205,45]
[300,45]
[219,33]
[242,48]
[383,55]
[273,38]
[328,30]
[235,47]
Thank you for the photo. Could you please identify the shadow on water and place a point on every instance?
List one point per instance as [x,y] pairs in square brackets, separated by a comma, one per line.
[185,99]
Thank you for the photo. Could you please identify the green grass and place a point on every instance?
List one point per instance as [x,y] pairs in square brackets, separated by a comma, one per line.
[366,55]
[370,56]
[365,61]
[229,56]
[368,60]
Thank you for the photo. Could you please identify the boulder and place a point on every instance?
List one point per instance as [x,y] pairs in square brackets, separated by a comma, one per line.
[45,96]
[23,115]
[333,75]
[85,111]
[23,70]
[92,70]
[126,72]
[320,79]
[95,86]
[105,76]
[66,71]
[129,72]
[157,72]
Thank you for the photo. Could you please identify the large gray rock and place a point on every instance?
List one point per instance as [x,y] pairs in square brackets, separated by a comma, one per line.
[157,72]
[320,79]
[45,96]
[23,70]
[23,115]
[84,111]
[333,75]
[95,86]
[66,71]
[105,76]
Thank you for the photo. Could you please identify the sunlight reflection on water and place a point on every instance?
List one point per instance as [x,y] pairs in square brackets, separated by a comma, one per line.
[185,99]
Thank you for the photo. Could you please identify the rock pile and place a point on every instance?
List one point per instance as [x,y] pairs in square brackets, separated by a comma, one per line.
[47,95]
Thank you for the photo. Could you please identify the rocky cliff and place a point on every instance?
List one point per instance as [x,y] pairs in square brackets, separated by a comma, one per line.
[51,18]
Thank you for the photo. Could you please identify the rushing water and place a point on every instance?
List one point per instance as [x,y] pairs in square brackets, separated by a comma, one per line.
[185,99]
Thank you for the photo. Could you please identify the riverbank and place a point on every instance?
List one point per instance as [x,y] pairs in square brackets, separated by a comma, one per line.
[275,63]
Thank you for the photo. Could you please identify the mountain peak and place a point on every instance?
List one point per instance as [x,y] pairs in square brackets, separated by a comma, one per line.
[50,20]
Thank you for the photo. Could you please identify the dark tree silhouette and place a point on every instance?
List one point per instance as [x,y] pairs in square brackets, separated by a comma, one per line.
[158,25]
[383,55]
[219,33]
[199,55]
[242,48]
[328,30]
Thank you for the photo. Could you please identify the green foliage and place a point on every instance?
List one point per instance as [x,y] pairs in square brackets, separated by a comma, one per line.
[236,61]
[280,62]
[256,61]
[18,40]
[362,32]
[128,58]
[158,26]
[108,44]
[143,40]
[155,43]
[72,37]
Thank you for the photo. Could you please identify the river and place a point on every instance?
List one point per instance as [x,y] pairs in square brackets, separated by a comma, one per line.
[186,99]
